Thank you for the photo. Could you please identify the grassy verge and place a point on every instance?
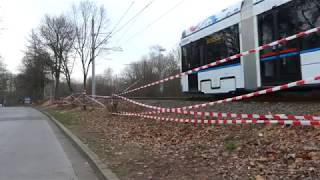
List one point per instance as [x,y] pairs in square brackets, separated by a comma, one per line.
[137,148]
[66,118]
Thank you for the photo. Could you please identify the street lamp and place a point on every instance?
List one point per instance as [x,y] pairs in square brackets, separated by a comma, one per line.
[49,76]
[161,72]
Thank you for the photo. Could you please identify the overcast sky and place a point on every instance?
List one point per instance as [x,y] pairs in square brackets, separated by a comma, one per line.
[18,17]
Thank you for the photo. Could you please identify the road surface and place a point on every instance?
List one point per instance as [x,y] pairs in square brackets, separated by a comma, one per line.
[31,148]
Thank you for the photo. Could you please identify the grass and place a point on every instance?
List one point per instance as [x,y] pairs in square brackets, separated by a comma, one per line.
[231,146]
[65,118]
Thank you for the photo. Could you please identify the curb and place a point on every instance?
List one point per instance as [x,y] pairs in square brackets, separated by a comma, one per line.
[99,167]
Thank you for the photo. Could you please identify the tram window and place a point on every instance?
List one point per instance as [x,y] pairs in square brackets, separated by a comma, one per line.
[195,58]
[308,15]
[184,59]
[202,54]
[288,19]
[267,35]
[288,65]
[189,57]
[269,70]
[217,46]
[287,26]
[223,44]
[266,28]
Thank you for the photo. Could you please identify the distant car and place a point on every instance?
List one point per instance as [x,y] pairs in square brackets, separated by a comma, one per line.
[1,105]
[27,100]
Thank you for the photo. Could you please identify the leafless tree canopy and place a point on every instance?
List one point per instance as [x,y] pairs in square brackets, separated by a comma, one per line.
[91,34]
[57,35]
[152,67]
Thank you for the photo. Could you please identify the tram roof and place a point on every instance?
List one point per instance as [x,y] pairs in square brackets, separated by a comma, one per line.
[223,14]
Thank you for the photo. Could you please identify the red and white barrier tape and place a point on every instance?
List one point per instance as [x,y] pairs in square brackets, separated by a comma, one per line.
[228,59]
[243,116]
[236,98]
[225,122]
[96,96]
[96,101]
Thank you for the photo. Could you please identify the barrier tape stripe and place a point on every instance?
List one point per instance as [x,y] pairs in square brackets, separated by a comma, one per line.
[244,116]
[96,101]
[97,96]
[228,59]
[236,98]
[225,122]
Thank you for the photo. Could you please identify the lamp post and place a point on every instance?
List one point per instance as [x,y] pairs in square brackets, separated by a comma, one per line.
[50,87]
[161,71]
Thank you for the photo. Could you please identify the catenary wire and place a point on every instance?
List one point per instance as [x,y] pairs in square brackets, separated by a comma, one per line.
[156,20]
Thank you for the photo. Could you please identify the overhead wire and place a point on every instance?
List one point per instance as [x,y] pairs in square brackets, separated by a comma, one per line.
[119,21]
[134,17]
[156,20]
[122,17]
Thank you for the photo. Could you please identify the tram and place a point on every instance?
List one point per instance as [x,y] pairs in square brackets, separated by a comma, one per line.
[246,25]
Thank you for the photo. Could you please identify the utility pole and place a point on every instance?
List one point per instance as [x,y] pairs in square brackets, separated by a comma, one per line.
[93,60]
[161,71]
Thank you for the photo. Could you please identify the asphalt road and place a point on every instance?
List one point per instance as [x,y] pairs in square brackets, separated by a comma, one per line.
[32,149]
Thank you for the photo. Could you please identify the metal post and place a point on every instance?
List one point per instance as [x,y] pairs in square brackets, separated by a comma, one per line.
[161,71]
[93,79]
[93,61]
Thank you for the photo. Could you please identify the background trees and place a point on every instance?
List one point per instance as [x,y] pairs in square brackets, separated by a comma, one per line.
[91,35]
[7,85]
[153,67]
[32,79]
[4,81]
[57,35]
[3,78]
[81,36]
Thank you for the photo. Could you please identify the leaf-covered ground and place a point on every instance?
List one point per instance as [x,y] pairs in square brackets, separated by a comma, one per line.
[136,148]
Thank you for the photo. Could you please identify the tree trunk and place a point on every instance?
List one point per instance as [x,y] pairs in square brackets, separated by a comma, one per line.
[56,89]
[84,91]
[68,78]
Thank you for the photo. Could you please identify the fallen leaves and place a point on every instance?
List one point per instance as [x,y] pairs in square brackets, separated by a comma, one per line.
[260,177]
[146,149]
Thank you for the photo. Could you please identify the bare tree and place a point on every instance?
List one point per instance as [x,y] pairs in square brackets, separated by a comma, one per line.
[104,82]
[67,69]
[156,65]
[57,34]
[91,24]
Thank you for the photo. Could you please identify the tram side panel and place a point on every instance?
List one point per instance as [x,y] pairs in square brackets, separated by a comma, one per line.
[249,40]
[310,63]
[260,22]
[297,59]
[223,79]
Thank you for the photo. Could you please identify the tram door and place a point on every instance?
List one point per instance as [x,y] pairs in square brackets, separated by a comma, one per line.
[279,64]
[198,59]
[194,62]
